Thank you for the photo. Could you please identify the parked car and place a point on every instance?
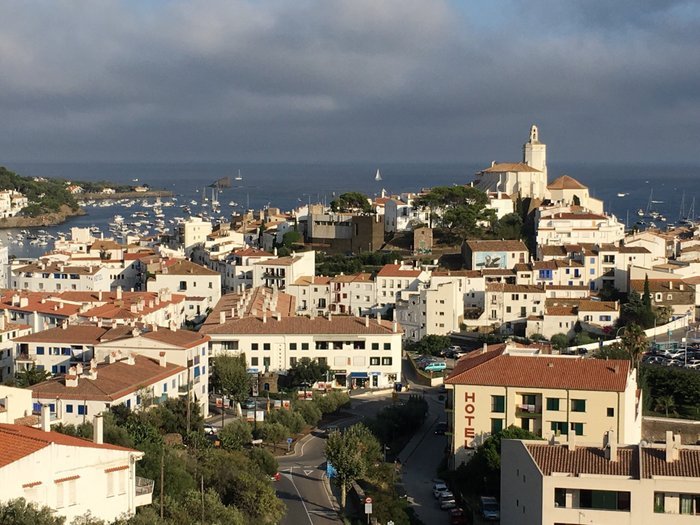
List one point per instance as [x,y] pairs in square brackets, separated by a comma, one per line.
[276,476]
[458,517]
[435,367]
[489,508]
[440,428]
[209,429]
[446,495]
[448,504]
[439,488]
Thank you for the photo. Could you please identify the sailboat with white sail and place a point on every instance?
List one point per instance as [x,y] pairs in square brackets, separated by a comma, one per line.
[378,176]
[238,177]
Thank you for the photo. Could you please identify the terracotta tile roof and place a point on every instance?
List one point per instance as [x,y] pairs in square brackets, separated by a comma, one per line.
[561,311]
[309,280]
[474,274]
[106,244]
[566,287]
[184,267]
[575,216]
[496,271]
[396,270]
[353,278]
[662,285]
[654,463]
[338,324]
[113,382]
[523,267]
[566,183]
[556,264]
[584,460]
[56,267]
[11,327]
[496,368]
[502,167]
[516,288]
[490,246]
[553,251]
[632,249]
[72,334]
[598,306]
[179,338]
[258,299]
[19,441]
[279,261]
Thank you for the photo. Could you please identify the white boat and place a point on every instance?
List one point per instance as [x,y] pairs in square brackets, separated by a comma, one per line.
[238,177]
[378,176]
[622,194]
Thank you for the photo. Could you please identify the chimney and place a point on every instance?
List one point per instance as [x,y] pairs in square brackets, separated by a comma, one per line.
[222,317]
[130,360]
[99,295]
[119,293]
[45,418]
[673,445]
[92,373]
[277,316]
[264,317]
[97,429]
[395,327]
[379,318]
[78,368]
[571,442]
[2,323]
[610,446]
[330,316]
[484,348]
[681,287]
[161,360]
[366,320]
[670,285]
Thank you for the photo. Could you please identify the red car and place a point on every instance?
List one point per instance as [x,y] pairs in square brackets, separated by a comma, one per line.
[276,476]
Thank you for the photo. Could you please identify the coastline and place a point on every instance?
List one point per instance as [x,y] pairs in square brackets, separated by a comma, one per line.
[45,219]
[151,194]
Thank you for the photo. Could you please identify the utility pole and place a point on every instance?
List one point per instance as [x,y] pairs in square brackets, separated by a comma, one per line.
[162,478]
[189,385]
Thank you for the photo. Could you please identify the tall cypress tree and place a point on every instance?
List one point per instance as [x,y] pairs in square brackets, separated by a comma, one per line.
[646,297]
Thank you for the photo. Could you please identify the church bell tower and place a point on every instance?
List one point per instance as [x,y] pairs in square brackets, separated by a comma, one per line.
[535,153]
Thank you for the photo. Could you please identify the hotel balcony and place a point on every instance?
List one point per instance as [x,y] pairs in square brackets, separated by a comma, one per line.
[144,491]
[528,411]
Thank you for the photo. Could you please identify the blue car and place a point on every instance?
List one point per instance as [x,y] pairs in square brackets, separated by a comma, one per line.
[435,367]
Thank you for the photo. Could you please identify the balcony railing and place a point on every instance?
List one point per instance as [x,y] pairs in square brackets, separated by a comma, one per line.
[528,411]
[144,486]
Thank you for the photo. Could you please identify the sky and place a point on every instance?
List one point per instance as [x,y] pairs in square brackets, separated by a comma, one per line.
[349,80]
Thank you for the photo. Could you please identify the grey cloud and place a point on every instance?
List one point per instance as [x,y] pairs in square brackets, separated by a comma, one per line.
[347,79]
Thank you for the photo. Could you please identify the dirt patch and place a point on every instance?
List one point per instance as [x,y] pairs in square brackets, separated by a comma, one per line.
[655,431]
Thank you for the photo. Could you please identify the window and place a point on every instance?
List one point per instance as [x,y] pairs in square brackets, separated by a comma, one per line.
[82,410]
[559,427]
[266,346]
[292,346]
[266,362]
[577,428]
[559,497]
[374,361]
[611,412]
[508,309]
[39,350]
[553,403]
[498,404]
[387,346]
[183,285]
[304,346]
[375,346]
[254,346]
[578,405]
[496,425]
[604,500]
[229,345]
[386,361]
[605,318]
[254,361]
[292,361]
[69,409]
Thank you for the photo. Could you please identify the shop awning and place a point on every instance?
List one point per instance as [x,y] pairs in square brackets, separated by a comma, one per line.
[359,375]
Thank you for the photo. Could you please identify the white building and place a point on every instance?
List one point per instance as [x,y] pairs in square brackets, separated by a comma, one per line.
[508,306]
[312,294]
[201,286]
[400,215]
[70,475]
[526,179]
[11,203]
[189,350]
[359,351]
[489,255]
[8,333]
[564,225]
[135,381]
[15,404]
[567,191]
[437,309]
[192,232]
[395,280]
[353,294]
[56,277]
[282,271]
[602,483]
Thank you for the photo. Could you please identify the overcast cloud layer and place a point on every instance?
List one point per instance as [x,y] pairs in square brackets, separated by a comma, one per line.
[390,80]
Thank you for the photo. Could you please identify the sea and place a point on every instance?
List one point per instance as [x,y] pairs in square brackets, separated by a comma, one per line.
[666,188]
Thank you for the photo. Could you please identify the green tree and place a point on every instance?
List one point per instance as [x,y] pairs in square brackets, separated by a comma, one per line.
[351,453]
[430,344]
[192,507]
[290,419]
[459,211]
[265,460]
[19,512]
[482,474]
[306,372]
[272,433]
[613,351]
[560,341]
[646,296]
[351,201]
[634,342]
[509,226]
[665,404]
[309,411]
[229,377]
[236,435]
[290,238]
[31,376]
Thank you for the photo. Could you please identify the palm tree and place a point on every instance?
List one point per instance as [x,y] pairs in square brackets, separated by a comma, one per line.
[665,404]
[634,342]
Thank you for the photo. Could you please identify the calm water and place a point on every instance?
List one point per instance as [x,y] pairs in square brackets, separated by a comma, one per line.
[288,185]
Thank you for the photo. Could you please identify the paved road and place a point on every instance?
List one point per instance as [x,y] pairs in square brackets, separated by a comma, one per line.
[303,486]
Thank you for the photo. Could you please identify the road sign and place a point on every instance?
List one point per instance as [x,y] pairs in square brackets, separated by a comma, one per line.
[368,506]
[290,441]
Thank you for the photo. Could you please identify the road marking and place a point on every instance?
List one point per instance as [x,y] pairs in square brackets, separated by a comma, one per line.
[303,503]
[307,472]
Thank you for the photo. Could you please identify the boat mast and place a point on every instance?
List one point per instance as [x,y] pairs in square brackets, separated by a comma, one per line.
[681,214]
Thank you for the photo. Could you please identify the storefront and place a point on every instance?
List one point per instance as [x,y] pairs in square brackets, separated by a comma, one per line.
[359,379]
